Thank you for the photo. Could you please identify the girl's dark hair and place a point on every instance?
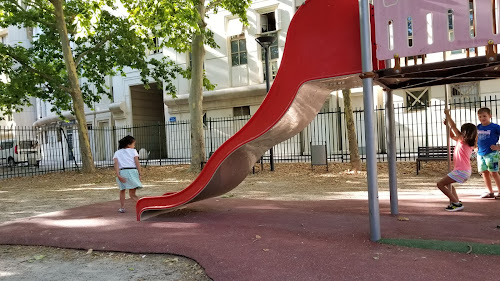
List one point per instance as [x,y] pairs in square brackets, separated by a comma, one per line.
[469,133]
[123,143]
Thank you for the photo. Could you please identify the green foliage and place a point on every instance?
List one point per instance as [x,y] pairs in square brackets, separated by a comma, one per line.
[235,7]
[103,40]
[177,21]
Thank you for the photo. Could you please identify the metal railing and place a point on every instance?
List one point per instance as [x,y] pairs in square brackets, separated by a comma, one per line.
[33,150]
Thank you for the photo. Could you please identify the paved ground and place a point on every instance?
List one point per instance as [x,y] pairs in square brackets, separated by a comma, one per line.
[242,239]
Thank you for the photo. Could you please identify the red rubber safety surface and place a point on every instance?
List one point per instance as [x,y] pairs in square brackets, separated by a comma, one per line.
[240,239]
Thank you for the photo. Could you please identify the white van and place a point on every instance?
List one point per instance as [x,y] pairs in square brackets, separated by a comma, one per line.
[19,151]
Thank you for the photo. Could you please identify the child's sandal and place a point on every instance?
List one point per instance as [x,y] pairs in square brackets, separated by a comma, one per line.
[121,210]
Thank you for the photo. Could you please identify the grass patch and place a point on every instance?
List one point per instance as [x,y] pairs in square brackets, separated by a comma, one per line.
[449,246]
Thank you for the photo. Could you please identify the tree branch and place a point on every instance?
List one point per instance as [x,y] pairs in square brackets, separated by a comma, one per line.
[16,3]
[36,71]
[98,45]
[38,5]
[213,4]
[24,10]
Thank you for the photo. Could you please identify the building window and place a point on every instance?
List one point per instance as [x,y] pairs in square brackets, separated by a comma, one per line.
[9,117]
[466,94]
[273,69]
[273,49]
[417,99]
[273,57]
[268,22]
[3,39]
[241,111]
[238,51]
[469,89]
[268,28]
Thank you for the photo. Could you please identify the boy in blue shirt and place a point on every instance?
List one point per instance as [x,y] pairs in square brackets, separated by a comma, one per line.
[488,157]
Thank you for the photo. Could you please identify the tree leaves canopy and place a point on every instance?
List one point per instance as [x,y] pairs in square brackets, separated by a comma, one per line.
[178,20]
[104,41]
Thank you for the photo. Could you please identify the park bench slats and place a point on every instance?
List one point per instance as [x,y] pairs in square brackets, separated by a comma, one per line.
[433,153]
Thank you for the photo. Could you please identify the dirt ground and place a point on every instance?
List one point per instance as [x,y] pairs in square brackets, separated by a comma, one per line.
[30,196]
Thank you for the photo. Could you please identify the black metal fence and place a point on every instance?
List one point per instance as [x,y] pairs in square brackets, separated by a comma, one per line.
[33,150]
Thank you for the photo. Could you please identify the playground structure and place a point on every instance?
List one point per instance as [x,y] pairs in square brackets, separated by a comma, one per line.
[322,54]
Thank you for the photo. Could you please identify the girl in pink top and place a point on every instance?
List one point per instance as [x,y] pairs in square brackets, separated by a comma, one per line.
[466,140]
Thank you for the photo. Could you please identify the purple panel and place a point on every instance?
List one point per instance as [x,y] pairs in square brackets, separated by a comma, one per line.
[462,33]
[484,19]
[399,10]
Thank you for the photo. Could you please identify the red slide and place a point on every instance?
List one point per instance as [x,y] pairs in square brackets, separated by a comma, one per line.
[322,54]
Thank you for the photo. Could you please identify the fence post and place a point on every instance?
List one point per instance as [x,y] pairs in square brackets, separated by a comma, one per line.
[210,133]
[4,161]
[271,158]
[159,139]
[426,124]
[62,149]
[114,139]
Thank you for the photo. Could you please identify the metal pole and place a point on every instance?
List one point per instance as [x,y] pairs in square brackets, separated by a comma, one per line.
[159,140]
[371,156]
[391,151]
[448,144]
[268,87]
[266,58]
[447,127]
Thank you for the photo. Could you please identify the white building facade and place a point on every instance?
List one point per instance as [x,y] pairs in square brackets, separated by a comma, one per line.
[237,70]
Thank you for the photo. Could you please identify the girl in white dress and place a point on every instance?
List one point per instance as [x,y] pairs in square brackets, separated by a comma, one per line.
[127,169]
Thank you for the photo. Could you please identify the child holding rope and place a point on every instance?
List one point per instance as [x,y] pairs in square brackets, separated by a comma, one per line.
[466,139]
